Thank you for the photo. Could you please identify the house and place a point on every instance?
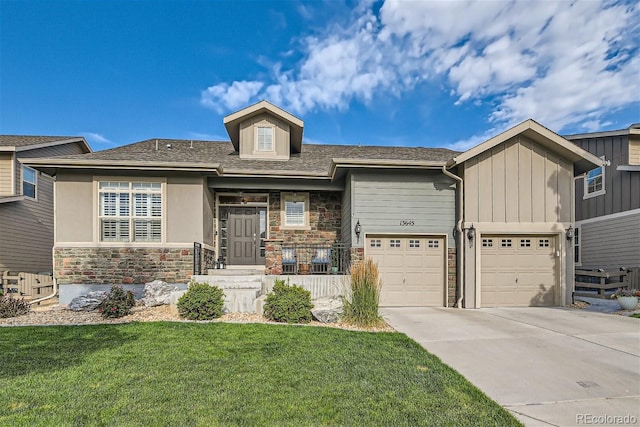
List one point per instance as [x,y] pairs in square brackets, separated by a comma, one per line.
[26,200]
[607,227]
[481,228]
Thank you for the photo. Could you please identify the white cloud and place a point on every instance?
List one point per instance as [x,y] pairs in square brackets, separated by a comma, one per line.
[97,138]
[224,97]
[561,63]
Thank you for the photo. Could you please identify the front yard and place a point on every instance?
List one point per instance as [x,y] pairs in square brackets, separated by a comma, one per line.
[166,373]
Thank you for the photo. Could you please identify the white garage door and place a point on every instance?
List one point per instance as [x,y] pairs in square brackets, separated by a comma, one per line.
[518,271]
[412,269]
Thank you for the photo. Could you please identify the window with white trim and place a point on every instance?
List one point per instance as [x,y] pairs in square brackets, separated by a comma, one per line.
[414,243]
[264,138]
[130,211]
[576,247]
[434,244]
[29,182]
[394,243]
[376,243]
[295,210]
[594,182]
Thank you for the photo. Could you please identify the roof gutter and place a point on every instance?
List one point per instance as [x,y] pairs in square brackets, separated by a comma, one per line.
[337,163]
[459,233]
[124,165]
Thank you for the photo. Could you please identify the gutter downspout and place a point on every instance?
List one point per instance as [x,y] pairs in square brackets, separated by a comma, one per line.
[460,234]
[54,292]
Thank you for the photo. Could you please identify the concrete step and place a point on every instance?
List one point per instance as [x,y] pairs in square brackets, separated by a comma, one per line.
[232,282]
[240,300]
[235,300]
[235,272]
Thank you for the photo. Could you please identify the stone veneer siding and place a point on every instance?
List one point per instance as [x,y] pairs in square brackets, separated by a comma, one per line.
[325,215]
[122,265]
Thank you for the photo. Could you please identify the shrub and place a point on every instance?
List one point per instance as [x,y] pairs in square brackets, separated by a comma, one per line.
[118,303]
[13,307]
[201,302]
[290,304]
[361,307]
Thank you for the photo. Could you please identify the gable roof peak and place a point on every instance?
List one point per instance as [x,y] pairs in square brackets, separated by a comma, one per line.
[233,120]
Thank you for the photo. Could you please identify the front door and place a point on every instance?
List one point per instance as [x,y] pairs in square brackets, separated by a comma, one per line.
[246,229]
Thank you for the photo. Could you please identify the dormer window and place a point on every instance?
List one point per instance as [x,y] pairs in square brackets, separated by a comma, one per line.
[264,138]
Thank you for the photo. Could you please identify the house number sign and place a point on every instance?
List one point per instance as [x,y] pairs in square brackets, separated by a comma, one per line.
[407,223]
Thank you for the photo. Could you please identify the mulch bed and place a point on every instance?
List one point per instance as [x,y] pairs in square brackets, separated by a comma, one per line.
[55,314]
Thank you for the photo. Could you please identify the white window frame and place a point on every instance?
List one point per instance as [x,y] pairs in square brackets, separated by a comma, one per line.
[24,181]
[258,142]
[587,194]
[294,198]
[135,209]
[577,246]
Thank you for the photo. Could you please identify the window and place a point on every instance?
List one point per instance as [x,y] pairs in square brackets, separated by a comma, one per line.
[376,243]
[505,243]
[394,243]
[414,243]
[434,244]
[594,182]
[525,243]
[130,211]
[544,243]
[576,246]
[295,210]
[264,138]
[29,182]
[487,243]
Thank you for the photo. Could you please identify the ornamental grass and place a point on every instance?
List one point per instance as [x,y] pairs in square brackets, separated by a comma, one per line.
[361,307]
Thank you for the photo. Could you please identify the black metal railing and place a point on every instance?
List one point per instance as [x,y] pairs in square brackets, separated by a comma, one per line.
[204,258]
[315,259]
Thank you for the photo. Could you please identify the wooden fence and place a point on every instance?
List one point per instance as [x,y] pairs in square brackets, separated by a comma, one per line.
[27,285]
[602,281]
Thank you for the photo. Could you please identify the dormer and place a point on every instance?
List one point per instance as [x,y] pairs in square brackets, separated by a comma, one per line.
[265,132]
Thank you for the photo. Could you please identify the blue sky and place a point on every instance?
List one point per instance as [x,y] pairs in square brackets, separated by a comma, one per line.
[412,73]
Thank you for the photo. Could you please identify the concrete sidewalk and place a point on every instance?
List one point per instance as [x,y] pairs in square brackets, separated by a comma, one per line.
[548,366]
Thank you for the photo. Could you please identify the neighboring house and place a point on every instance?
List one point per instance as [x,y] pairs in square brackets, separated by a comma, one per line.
[608,201]
[132,214]
[26,200]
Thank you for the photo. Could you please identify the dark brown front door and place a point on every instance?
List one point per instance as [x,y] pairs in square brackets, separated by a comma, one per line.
[244,236]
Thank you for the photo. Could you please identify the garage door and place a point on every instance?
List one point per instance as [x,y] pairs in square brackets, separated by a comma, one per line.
[518,271]
[412,269]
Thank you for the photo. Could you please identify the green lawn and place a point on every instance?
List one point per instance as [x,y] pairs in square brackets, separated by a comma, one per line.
[190,374]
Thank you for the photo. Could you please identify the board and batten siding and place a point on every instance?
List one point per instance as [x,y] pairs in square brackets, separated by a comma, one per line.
[248,132]
[518,182]
[407,202]
[6,174]
[26,231]
[347,227]
[622,188]
[611,243]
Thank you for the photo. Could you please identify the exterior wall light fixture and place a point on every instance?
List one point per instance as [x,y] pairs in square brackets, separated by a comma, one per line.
[358,229]
[570,233]
[471,233]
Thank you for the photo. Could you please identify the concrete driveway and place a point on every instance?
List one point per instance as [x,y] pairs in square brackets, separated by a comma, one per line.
[548,366]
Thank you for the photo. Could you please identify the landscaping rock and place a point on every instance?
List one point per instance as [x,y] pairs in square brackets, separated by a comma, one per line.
[87,302]
[327,309]
[157,293]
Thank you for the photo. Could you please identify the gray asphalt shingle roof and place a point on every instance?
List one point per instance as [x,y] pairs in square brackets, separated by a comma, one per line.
[313,158]
[26,140]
